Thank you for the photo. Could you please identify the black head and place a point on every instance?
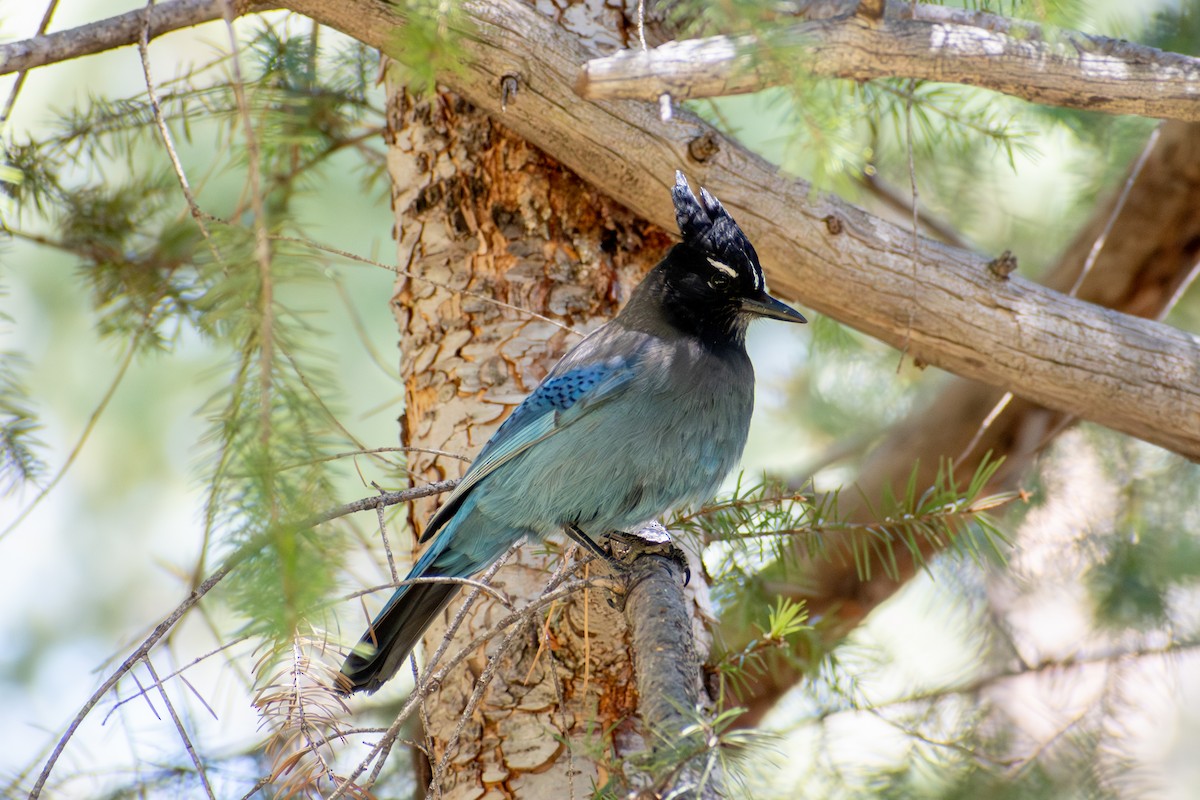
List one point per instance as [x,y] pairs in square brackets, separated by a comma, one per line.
[713,284]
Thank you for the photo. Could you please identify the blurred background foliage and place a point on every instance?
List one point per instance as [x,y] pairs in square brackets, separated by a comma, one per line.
[199,407]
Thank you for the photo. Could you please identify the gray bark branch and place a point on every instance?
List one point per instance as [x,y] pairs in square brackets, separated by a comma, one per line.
[939,304]
[1059,68]
[1149,256]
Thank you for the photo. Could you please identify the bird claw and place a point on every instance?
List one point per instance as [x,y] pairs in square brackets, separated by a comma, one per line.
[620,548]
[654,538]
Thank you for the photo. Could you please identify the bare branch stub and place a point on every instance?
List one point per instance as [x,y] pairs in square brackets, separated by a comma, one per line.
[664,649]
[871,9]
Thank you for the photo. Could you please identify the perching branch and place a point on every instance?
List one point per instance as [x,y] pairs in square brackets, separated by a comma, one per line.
[668,673]
[1036,63]
[664,651]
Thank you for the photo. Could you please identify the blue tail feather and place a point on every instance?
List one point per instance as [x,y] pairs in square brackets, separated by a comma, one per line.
[467,545]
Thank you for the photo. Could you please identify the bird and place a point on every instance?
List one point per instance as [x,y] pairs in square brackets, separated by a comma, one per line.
[648,413]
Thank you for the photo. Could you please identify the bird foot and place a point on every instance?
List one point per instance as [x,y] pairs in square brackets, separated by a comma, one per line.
[622,548]
[652,539]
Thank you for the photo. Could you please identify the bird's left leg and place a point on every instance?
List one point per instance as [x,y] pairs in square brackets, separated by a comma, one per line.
[579,537]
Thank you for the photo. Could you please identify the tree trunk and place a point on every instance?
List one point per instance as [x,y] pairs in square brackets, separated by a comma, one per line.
[481,217]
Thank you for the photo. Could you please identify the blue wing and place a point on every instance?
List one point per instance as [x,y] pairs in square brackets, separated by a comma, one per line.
[562,398]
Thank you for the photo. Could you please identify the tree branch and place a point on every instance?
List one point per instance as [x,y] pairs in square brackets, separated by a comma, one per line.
[940,304]
[118,31]
[1039,64]
[664,654]
[380,500]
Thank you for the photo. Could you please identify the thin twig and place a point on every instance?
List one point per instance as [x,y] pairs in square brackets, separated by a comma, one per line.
[168,141]
[320,401]
[139,654]
[472,583]
[258,786]
[983,427]
[564,719]
[178,673]
[201,772]
[373,451]
[481,685]
[1088,264]
[916,217]
[20,81]
[978,684]
[388,498]
[164,627]
[1177,295]
[422,681]
[360,330]
[1119,206]
[641,23]
[387,545]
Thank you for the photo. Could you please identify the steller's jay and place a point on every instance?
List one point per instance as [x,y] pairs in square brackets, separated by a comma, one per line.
[648,413]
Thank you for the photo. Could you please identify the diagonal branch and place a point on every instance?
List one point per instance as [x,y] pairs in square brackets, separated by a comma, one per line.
[665,659]
[1039,64]
[940,303]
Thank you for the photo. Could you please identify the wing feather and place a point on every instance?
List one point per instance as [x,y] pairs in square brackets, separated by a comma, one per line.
[558,401]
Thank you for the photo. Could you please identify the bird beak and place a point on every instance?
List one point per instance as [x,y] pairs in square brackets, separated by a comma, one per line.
[766,306]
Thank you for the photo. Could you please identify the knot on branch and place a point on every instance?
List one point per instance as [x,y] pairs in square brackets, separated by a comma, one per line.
[704,146]
[871,10]
[1003,265]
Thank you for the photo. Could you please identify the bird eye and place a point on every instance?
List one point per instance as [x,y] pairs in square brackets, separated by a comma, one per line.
[723,276]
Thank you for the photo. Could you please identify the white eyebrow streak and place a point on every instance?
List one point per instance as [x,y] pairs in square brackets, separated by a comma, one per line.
[728,270]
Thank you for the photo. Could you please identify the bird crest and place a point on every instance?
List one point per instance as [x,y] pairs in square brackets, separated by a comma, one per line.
[707,227]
